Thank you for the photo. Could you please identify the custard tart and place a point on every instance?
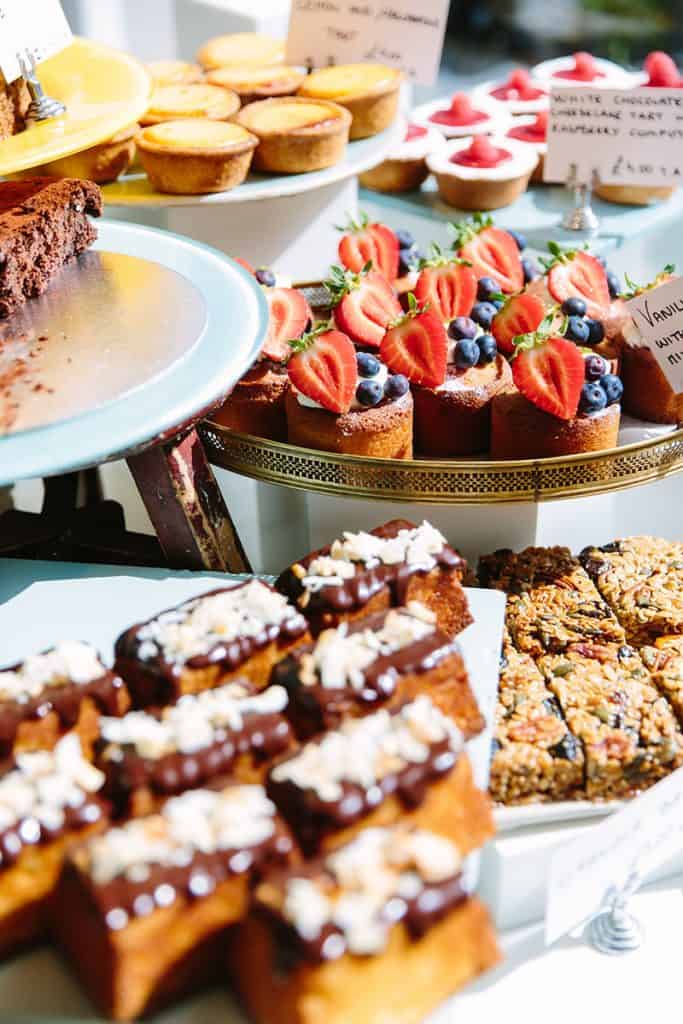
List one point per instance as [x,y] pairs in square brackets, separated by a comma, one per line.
[241,48]
[102,163]
[174,72]
[194,156]
[251,82]
[296,135]
[370,92]
[170,102]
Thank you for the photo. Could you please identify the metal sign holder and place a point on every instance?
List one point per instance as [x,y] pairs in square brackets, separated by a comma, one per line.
[614,930]
[581,217]
[42,107]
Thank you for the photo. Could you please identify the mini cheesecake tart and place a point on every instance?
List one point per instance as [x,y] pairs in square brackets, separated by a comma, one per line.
[520,430]
[195,156]
[532,130]
[462,116]
[483,173]
[405,168]
[370,92]
[583,69]
[295,134]
[170,102]
[257,83]
[102,163]
[174,72]
[517,95]
[241,48]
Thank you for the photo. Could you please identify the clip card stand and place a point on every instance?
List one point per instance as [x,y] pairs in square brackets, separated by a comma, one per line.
[582,217]
[615,930]
[42,107]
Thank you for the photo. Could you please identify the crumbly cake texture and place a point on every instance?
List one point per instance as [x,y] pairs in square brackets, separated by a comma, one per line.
[44,223]
[14,104]
[641,578]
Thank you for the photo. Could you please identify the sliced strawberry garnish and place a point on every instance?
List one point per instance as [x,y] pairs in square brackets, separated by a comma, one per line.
[550,373]
[324,368]
[580,275]
[491,251]
[447,284]
[416,345]
[364,304]
[289,317]
[364,243]
[521,314]
[245,264]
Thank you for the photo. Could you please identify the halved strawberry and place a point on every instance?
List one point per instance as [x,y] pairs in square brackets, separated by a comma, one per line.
[447,284]
[491,251]
[550,373]
[416,345]
[365,304]
[324,368]
[364,242]
[521,314]
[290,315]
[578,274]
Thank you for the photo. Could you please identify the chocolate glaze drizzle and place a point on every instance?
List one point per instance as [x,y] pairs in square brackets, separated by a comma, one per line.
[31,832]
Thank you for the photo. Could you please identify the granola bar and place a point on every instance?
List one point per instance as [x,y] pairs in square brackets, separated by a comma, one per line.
[629,734]
[642,580]
[664,661]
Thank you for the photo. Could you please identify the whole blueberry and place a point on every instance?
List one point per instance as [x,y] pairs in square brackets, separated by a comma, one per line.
[369,392]
[519,238]
[368,365]
[405,239]
[488,350]
[483,313]
[577,330]
[613,283]
[408,260]
[531,269]
[466,354]
[486,287]
[595,366]
[574,306]
[396,386]
[265,277]
[612,387]
[593,397]
[462,327]
[596,332]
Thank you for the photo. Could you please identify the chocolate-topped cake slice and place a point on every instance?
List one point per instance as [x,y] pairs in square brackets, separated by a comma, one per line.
[44,223]
[47,695]
[381,930]
[142,911]
[238,631]
[362,573]
[233,730]
[377,770]
[383,659]
[48,802]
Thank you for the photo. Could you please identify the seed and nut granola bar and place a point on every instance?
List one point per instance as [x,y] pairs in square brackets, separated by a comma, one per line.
[664,661]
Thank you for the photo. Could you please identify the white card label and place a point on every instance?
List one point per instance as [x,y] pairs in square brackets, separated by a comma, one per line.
[37,27]
[405,34]
[629,136]
[642,835]
[658,314]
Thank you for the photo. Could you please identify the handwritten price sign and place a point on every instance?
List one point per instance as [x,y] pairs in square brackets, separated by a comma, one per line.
[629,136]
[35,27]
[405,34]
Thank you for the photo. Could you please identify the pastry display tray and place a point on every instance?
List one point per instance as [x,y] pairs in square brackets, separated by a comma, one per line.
[43,602]
[649,452]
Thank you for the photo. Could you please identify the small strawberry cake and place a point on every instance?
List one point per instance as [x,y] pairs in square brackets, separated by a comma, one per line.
[583,69]
[405,167]
[532,130]
[483,173]
[517,95]
[459,116]
[345,401]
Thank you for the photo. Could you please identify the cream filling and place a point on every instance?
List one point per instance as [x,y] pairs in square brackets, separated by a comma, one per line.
[420,148]
[498,120]
[523,159]
[615,77]
[540,147]
[482,93]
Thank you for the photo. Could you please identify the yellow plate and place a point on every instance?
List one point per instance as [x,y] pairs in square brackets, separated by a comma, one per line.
[103,91]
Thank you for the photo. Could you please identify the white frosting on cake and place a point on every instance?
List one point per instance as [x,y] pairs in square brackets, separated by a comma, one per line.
[540,147]
[44,784]
[498,120]
[614,76]
[521,161]
[69,662]
[418,148]
[514,107]
[339,659]
[195,722]
[380,377]
[200,821]
[364,751]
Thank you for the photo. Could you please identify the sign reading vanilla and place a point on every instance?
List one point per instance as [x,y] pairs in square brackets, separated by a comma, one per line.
[30,27]
[658,316]
[629,136]
[405,34]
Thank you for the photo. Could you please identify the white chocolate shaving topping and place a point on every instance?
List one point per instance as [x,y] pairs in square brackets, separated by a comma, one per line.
[68,662]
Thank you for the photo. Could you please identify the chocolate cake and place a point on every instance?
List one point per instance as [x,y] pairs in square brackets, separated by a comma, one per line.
[43,225]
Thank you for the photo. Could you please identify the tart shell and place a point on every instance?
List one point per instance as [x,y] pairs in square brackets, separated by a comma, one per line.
[481,194]
[382,432]
[396,176]
[298,150]
[520,430]
[634,195]
[285,87]
[196,171]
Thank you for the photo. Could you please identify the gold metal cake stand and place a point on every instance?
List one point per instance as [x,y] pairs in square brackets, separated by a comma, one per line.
[444,481]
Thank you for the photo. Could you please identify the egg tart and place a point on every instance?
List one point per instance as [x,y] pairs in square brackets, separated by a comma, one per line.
[296,135]
[370,92]
[174,72]
[170,102]
[195,156]
[251,82]
[241,48]
[102,163]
